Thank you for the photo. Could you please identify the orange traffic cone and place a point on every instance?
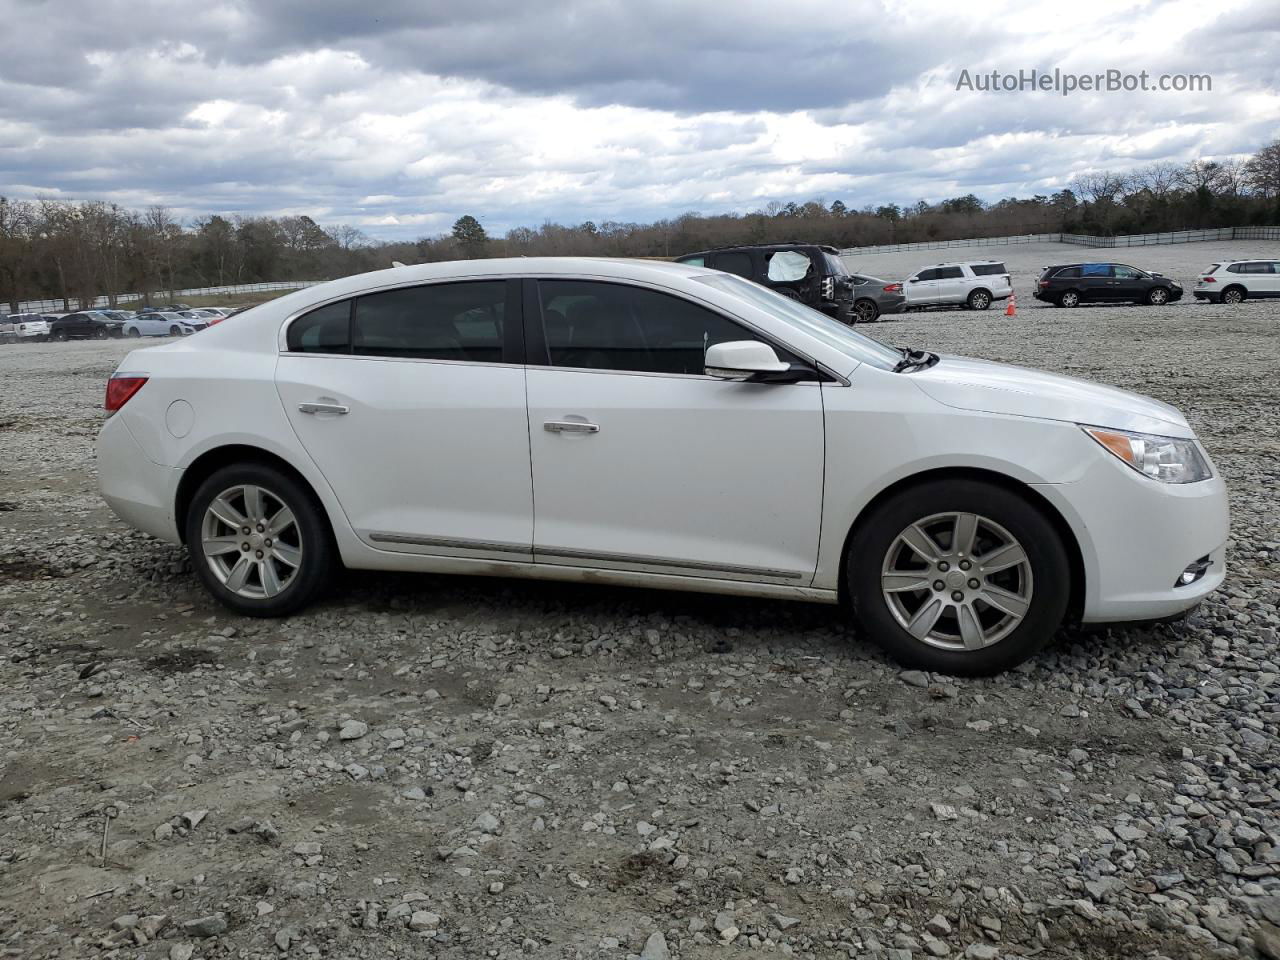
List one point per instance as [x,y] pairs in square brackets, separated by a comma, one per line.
[1012,309]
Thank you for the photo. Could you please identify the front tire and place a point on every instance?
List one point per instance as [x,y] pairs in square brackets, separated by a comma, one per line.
[259,540]
[133,333]
[1157,297]
[175,331]
[959,577]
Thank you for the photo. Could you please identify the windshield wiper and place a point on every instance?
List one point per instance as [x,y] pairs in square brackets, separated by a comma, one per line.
[912,359]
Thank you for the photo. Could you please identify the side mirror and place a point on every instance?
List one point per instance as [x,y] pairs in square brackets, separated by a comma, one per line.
[742,360]
[914,280]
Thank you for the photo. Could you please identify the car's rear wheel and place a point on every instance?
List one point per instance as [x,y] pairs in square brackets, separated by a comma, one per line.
[259,540]
[866,311]
[979,300]
[1157,296]
[1068,298]
[1233,295]
[961,577]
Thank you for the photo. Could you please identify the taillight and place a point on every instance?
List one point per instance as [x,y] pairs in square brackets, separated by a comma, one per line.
[828,288]
[1208,280]
[1044,283]
[120,389]
[893,288]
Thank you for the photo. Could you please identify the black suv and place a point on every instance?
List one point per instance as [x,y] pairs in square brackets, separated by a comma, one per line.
[1072,284]
[808,272]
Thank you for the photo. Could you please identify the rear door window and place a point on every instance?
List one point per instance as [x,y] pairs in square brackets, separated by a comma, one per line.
[326,329]
[950,273]
[439,321]
[735,263]
[1095,270]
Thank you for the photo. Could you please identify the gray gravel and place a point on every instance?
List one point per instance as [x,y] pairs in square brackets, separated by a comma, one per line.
[435,766]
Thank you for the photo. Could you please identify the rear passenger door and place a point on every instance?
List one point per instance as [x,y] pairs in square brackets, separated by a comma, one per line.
[411,402]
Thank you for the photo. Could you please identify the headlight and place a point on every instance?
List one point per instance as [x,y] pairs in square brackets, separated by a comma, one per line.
[1169,459]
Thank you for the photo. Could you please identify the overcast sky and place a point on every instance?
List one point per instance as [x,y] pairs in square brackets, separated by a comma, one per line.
[399,116]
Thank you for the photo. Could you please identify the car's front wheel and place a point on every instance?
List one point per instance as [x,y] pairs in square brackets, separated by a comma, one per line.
[175,331]
[259,540]
[1157,296]
[961,577]
[133,332]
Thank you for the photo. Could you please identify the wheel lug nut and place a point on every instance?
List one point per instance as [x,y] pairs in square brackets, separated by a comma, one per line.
[944,566]
[261,528]
[974,584]
[244,546]
[258,554]
[939,585]
[246,530]
[965,564]
[266,542]
[957,596]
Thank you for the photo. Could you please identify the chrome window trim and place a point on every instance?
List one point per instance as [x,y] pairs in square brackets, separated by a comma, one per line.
[448,543]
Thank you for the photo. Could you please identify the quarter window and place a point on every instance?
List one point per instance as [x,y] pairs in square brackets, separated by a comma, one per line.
[324,330]
[693,261]
[950,273]
[786,266]
[987,269]
[1068,273]
[608,326]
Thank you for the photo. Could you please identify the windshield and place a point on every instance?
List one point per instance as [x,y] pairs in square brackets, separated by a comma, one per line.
[836,265]
[818,325]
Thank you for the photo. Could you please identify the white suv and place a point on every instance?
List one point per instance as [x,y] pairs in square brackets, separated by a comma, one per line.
[24,326]
[1232,281]
[972,285]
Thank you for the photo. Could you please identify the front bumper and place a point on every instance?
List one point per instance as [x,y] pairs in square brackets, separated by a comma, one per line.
[1137,535]
[1175,294]
[139,491]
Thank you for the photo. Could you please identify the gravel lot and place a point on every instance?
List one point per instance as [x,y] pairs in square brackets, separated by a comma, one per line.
[427,766]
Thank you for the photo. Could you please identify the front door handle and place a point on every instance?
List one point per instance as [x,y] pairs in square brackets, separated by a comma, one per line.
[570,426]
[322,407]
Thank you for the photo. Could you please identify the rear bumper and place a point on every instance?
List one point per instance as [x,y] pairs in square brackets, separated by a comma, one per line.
[1137,535]
[139,491]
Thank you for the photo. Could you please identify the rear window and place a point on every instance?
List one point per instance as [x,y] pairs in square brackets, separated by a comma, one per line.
[1212,267]
[987,269]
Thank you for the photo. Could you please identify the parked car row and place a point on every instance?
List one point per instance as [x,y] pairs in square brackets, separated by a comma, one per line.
[177,321]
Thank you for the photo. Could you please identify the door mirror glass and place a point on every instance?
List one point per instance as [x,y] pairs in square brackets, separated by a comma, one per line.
[742,360]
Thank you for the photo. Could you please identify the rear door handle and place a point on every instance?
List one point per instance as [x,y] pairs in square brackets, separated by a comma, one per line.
[570,426]
[321,407]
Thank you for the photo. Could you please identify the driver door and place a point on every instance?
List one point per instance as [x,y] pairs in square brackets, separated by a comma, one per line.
[642,462]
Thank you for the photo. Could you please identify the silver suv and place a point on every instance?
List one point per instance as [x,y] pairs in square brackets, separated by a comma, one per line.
[974,285]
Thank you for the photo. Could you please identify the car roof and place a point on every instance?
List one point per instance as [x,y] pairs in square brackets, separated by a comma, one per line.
[784,245]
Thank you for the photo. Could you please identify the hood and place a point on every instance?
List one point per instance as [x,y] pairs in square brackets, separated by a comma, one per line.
[1016,391]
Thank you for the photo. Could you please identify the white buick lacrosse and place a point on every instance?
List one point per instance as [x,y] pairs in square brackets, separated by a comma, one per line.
[657,425]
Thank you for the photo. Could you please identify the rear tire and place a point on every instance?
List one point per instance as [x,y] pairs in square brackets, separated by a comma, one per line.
[1069,299]
[969,637]
[979,300]
[866,311]
[290,554]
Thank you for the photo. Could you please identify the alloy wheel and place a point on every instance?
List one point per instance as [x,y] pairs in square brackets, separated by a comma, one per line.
[1070,299]
[251,541]
[957,581]
[866,311]
[980,301]
[1158,296]
[1232,296]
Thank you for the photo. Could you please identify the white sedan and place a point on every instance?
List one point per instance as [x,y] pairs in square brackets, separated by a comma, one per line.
[160,324]
[657,425]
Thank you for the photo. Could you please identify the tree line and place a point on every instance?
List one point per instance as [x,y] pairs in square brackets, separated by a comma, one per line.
[75,251]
